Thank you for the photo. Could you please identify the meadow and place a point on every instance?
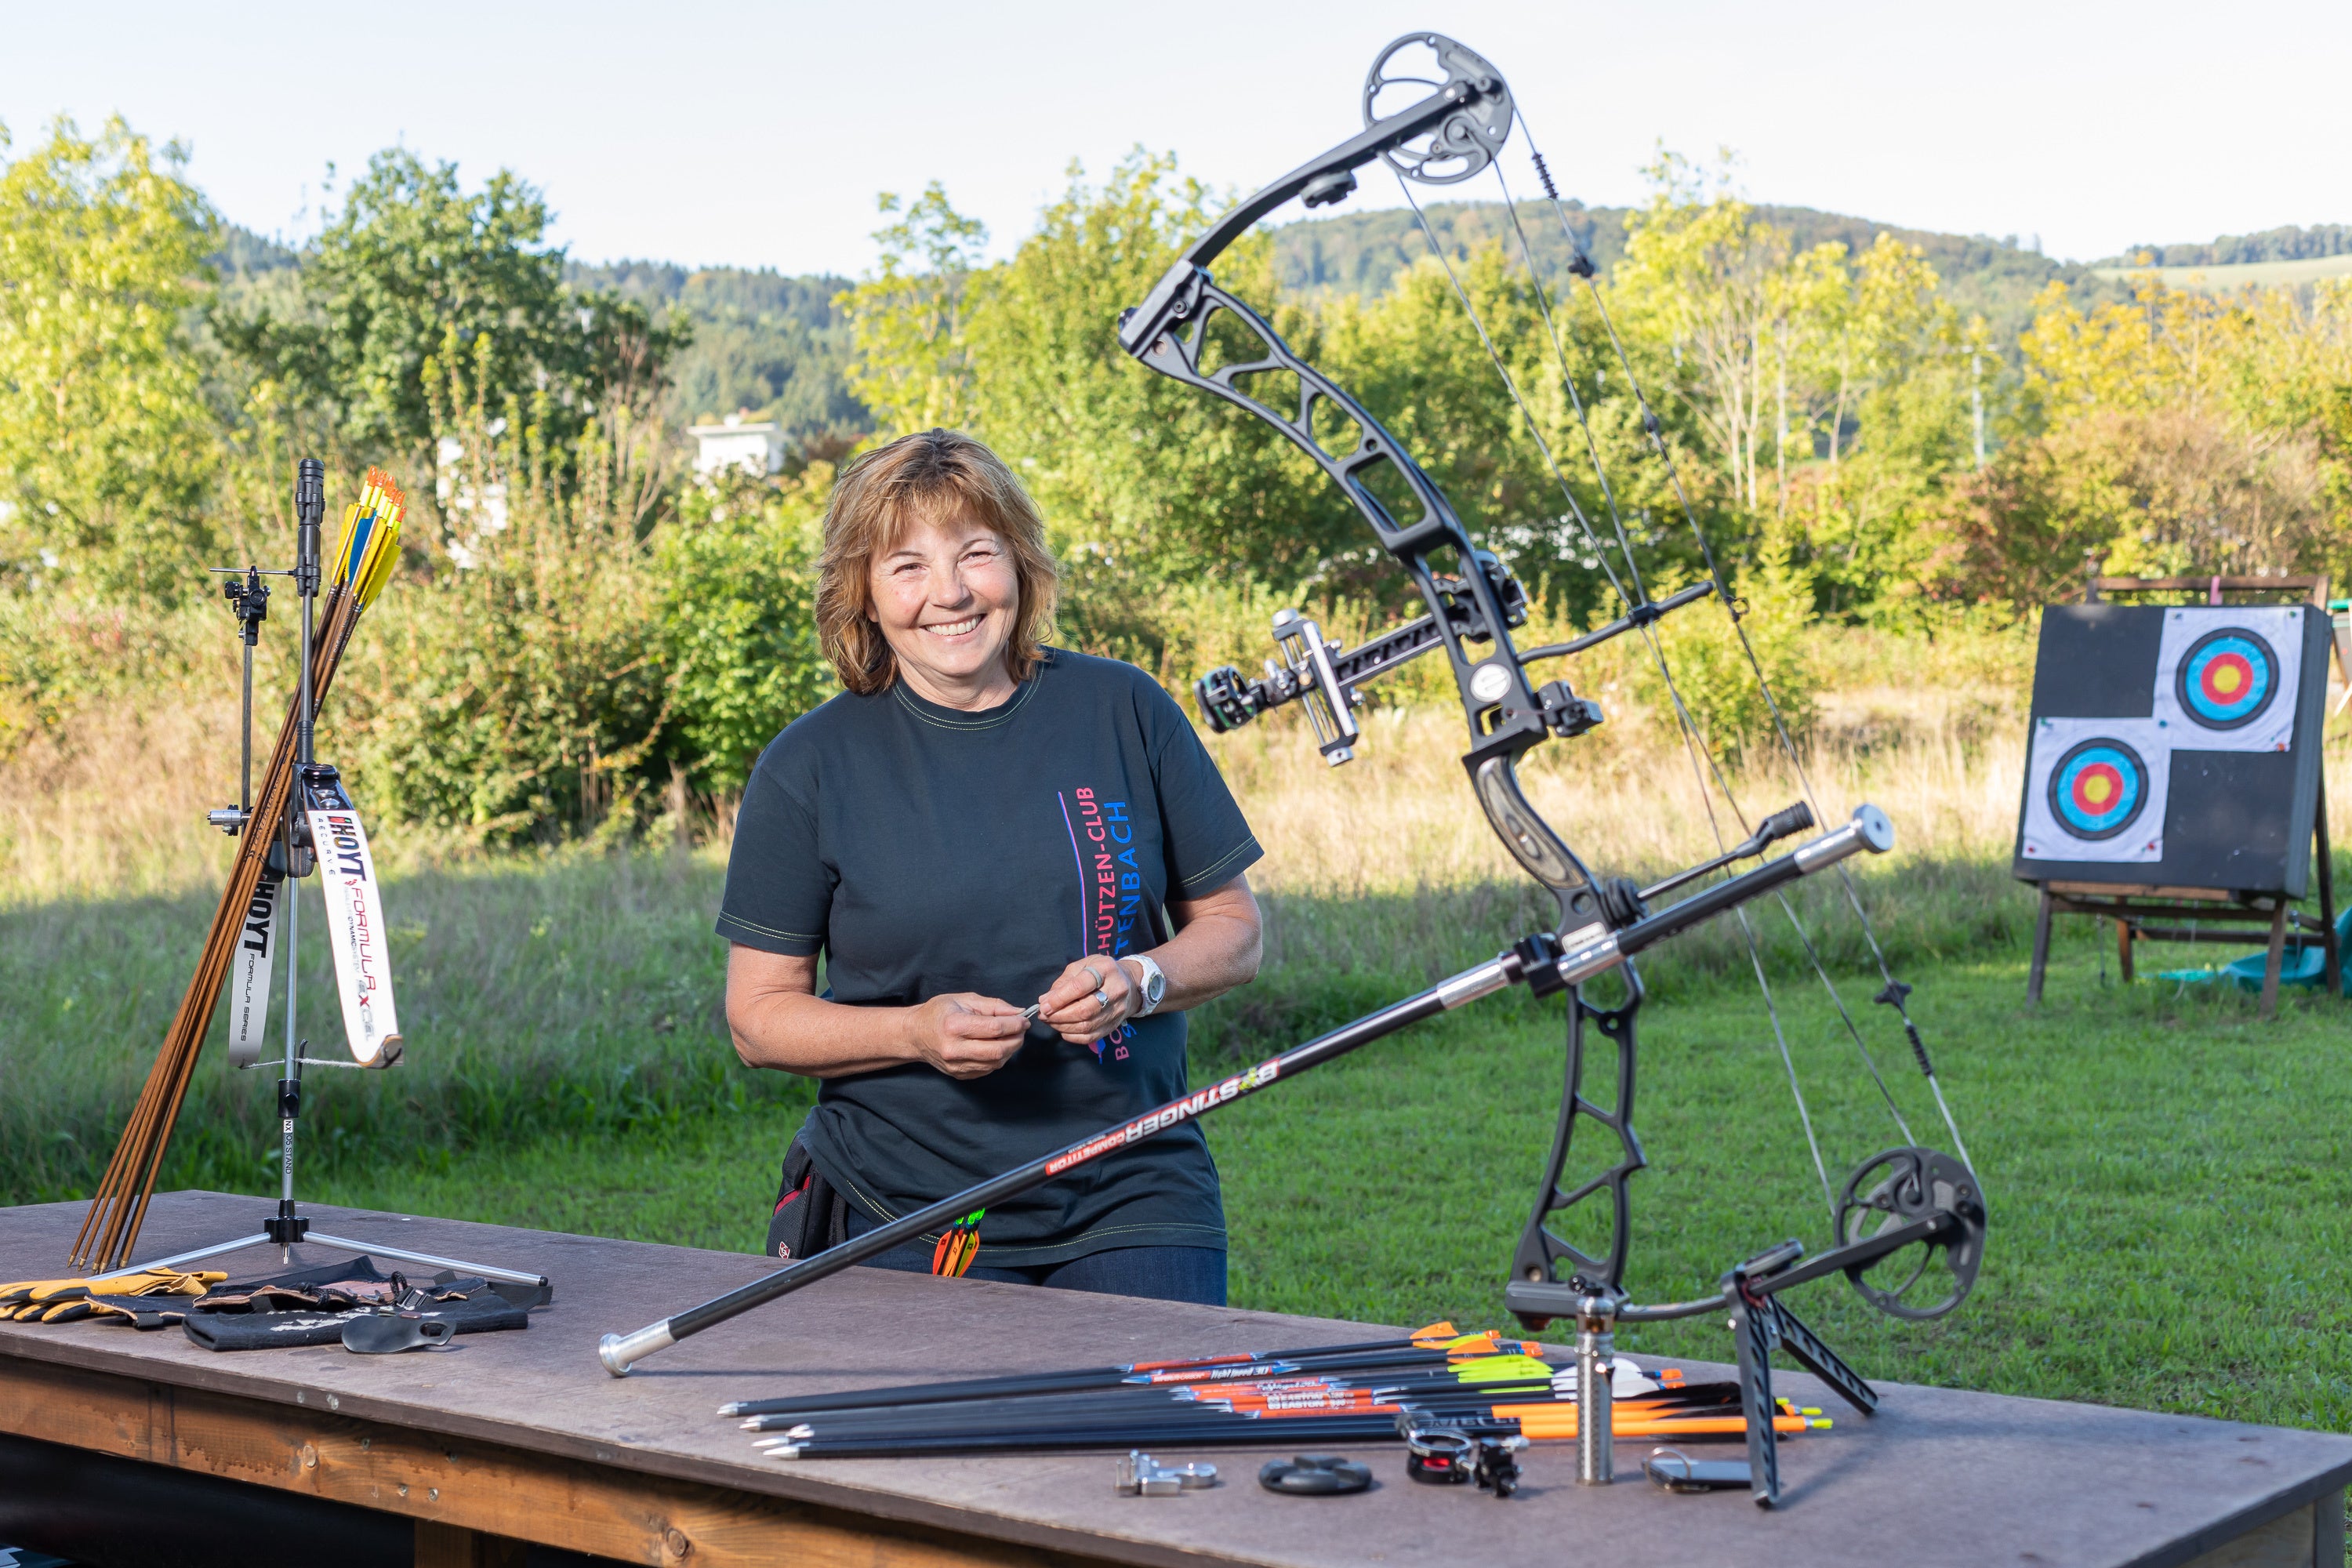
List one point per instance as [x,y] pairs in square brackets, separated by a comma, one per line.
[2144,1148]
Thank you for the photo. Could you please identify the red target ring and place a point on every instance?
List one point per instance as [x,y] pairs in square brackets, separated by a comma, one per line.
[2098,788]
[2226,678]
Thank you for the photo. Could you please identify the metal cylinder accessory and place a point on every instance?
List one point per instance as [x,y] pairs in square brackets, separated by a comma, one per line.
[1596,1355]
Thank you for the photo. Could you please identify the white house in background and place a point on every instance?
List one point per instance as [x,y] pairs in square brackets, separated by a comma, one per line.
[474,516]
[754,446]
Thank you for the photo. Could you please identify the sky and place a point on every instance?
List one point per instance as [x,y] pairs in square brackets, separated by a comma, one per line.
[760,135]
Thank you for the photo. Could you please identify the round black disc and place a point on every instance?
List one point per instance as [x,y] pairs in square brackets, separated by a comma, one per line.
[1316,1475]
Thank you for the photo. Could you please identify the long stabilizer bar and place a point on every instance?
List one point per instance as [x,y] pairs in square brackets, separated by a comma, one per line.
[1869,830]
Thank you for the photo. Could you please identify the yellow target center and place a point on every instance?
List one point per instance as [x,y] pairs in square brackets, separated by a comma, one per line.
[2226,680]
[2096,789]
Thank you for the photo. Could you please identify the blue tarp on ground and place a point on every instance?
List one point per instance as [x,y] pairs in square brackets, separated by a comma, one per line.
[2301,964]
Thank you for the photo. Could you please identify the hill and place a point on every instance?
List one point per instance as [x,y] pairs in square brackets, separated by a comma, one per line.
[774,343]
[2229,278]
[2288,244]
[1359,253]
[762,341]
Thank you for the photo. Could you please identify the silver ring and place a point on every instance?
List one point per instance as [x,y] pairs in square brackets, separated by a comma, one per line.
[1102,1001]
[1094,974]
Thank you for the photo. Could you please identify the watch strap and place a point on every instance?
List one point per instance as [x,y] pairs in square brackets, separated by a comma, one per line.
[1153,987]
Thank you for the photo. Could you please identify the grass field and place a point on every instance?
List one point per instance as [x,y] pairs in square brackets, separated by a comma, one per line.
[2148,1151]
[2146,1155]
[2143,1147]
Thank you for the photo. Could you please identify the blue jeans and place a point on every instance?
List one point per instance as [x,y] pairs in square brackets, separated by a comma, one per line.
[1159,1273]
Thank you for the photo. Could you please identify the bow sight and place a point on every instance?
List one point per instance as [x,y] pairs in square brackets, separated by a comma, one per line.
[1909,1206]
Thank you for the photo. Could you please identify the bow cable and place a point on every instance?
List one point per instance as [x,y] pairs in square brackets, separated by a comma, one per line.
[1695,744]
[1691,741]
[1657,651]
[1894,992]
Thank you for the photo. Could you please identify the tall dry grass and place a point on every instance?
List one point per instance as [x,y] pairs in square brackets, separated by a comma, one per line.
[1945,765]
[576,991]
[1935,734]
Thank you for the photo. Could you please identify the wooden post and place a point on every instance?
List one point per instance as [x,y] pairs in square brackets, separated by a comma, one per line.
[2271,964]
[2040,952]
[442,1546]
[2123,949]
[2333,981]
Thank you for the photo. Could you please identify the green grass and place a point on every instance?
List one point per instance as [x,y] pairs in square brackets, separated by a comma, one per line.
[2165,1170]
[577,996]
[2148,1154]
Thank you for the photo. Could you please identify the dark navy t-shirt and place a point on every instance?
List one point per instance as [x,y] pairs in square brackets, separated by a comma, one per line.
[925,849]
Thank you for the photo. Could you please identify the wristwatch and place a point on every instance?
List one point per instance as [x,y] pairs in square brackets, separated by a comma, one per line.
[1151,982]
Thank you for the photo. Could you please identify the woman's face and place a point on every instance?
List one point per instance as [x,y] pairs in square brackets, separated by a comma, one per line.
[945,597]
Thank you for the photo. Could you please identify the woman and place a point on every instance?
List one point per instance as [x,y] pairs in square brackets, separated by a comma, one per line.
[974,824]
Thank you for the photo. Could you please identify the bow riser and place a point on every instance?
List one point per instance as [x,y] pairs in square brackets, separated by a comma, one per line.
[1503,715]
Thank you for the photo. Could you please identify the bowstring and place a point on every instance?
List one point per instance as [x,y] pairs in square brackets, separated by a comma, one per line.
[1894,992]
[1694,741]
[1657,653]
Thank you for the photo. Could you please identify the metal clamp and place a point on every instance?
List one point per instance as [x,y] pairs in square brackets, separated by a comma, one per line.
[1140,1475]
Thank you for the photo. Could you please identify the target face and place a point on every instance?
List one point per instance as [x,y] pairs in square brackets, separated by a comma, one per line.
[2226,679]
[2098,789]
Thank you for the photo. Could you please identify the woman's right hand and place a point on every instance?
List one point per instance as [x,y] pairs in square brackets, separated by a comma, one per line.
[965,1035]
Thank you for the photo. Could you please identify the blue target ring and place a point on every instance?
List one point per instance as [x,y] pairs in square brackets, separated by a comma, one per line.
[2098,789]
[2226,679]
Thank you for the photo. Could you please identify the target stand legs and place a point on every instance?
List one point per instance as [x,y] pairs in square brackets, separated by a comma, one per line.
[2272,961]
[2040,951]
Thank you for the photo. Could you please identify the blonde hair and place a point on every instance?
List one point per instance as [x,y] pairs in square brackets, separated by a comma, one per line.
[931,474]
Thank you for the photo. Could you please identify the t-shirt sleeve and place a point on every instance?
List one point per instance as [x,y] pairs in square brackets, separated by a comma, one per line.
[1208,840]
[779,890]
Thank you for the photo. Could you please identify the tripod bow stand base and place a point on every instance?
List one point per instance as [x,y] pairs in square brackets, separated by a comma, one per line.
[285,1229]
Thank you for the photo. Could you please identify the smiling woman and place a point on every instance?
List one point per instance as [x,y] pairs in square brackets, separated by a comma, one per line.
[979,818]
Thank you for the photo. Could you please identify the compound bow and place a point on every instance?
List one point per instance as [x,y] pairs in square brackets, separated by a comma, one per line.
[1906,1199]
[1909,1200]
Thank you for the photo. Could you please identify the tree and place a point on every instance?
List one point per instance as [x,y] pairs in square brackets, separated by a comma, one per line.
[738,612]
[1703,274]
[105,443]
[410,260]
[908,321]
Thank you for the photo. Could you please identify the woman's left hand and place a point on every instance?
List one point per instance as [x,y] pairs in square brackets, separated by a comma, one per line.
[1091,998]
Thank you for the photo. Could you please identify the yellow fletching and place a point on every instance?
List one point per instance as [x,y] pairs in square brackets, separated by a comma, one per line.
[343,551]
[383,551]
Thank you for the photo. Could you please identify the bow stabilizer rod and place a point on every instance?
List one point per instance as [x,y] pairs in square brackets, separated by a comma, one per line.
[1869,831]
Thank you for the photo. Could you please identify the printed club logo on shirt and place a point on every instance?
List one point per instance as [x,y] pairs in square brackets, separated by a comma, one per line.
[1110,885]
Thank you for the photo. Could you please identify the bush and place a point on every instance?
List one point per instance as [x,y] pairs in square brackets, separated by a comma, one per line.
[1713,673]
[738,625]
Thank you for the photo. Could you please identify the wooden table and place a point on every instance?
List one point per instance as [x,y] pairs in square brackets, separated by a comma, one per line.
[521,1437]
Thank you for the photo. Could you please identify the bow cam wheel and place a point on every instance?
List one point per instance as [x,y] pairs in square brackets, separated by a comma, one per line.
[1930,1277]
[1465,140]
